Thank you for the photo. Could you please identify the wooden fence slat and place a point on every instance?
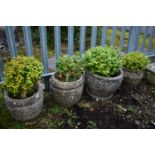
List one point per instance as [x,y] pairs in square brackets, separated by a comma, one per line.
[104,36]
[122,37]
[44,53]
[82,38]
[28,40]
[93,36]
[151,38]
[113,35]
[132,38]
[1,67]
[137,37]
[70,40]
[57,41]
[144,38]
[43,42]
[11,41]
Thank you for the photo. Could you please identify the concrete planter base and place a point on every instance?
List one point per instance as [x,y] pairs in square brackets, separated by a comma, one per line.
[102,88]
[131,78]
[67,93]
[149,73]
[25,109]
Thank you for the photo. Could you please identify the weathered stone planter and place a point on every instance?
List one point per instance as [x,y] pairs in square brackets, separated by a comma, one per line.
[149,73]
[25,109]
[131,78]
[67,93]
[102,88]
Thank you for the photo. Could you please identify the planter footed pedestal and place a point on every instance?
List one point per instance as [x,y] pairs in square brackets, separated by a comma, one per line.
[67,93]
[131,78]
[102,88]
[149,73]
[25,109]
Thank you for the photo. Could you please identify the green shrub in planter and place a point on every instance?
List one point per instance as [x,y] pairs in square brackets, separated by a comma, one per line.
[23,93]
[68,81]
[21,75]
[69,68]
[103,71]
[104,61]
[135,61]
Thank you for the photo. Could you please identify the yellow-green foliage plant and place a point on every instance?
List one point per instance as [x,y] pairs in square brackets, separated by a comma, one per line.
[21,75]
[69,68]
[104,61]
[135,61]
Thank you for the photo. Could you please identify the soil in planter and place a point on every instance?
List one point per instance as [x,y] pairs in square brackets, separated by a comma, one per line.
[127,109]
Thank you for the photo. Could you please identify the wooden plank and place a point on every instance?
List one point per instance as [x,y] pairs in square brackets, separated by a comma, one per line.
[82,39]
[151,38]
[122,37]
[28,40]
[57,41]
[93,36]
[137,37]
[70,40]
[144,38]
[104,35]
[132,38]
[113,39]
[11,41]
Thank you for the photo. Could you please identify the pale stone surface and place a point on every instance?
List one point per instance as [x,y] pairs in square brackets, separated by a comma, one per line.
[149,73]
[67,93]
[25,109]
[52,63]
[101,88]
[131,78]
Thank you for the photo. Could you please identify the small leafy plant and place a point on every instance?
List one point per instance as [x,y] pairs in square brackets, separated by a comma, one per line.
[21,75]
[69,68]
[104,61]
[135,61]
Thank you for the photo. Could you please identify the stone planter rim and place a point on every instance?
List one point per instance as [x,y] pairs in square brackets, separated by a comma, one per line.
[149,67]
[129,70]
[67,85]
[107,78]
[27,99]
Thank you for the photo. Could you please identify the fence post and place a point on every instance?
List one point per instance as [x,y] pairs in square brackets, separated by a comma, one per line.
[104,35]
[57,41]
[82,39]
[144,38]
[93,36]
[132,42]
[11,41]
[70,40]
[28,40]
[113,36]
[137,37]
[151,38]
[1,66]
[122,37]
[44,52]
